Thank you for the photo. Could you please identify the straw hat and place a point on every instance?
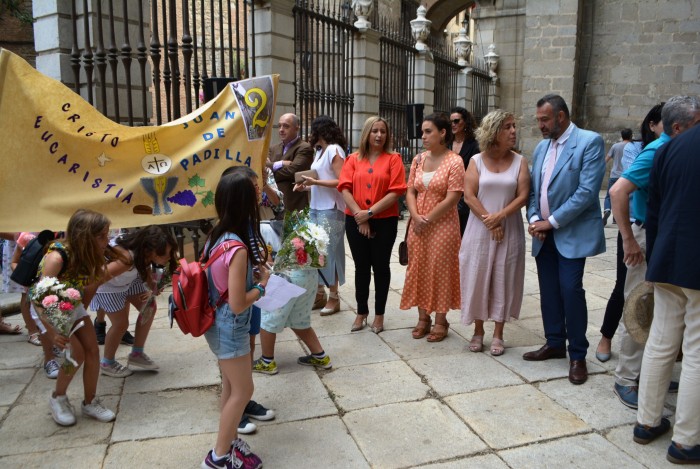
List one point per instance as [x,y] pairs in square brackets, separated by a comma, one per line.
[639,312]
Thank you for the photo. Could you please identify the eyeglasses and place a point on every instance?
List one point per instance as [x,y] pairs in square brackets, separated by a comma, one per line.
[456,121]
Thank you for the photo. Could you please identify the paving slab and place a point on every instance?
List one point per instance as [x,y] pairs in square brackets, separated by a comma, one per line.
[16,352]
[594,402]
[360,348]
[652,455]
[87,457]
[177,451]
[488,461]
[534,371]
[514,416]
[183,370]
[160,414]
[41,387]
[357,387]
[294,396]
[29,428]
[319,442]
[286,354]
[403,445]
[589,451]
[514,335]
[408,348]
[465,372]
[12,383]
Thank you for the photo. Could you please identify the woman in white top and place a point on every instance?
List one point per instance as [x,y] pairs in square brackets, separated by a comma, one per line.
[327,205]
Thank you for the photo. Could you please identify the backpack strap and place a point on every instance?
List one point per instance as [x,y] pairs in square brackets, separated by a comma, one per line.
[216,253]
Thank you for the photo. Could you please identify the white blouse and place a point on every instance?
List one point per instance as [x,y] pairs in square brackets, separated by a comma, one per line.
[326,198]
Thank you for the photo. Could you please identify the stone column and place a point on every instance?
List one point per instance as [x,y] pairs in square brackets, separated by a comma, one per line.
[465,89]
[274,48]
[53,39]
[424,81]
[365,80]
[494,94]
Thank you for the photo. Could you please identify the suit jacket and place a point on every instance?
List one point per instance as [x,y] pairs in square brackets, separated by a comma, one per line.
[673,213]
[301,155]
[572,194]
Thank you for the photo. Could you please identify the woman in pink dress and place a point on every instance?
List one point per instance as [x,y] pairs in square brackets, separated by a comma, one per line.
[492,255]
[435,185]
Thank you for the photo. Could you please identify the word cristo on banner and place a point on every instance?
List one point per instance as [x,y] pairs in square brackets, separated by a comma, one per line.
[60,154]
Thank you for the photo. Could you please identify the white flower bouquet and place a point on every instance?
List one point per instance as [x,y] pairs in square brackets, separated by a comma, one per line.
[304,245]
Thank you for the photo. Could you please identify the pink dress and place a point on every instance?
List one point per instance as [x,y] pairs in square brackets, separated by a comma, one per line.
[432,276]
[491,273]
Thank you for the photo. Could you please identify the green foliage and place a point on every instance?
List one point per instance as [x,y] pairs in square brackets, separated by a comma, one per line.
[14,7]
[196,181]
[208,199]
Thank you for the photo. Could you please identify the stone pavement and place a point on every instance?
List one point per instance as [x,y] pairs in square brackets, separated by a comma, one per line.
[389,402]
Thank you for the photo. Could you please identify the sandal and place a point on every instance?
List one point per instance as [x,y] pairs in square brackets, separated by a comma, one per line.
[422,328]
[9,329]
[34,339]
[497,347]
[476,344]
[439,332]
[328,310]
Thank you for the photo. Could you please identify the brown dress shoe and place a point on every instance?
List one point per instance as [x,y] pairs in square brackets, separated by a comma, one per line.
[544,353]
[578,373]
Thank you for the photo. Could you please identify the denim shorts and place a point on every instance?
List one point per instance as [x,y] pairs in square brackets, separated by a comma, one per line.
[297,313]
[229,336]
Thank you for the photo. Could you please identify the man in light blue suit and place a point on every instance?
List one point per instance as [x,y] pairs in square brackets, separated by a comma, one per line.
[566,227]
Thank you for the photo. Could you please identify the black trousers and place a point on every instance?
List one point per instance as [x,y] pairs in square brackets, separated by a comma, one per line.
[372,254]
[613,312]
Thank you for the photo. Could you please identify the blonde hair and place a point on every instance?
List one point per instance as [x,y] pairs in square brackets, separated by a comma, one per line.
[85,258]
[363,149]
[491,124]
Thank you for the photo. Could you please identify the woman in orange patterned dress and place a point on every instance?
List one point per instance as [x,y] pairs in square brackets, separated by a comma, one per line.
[435,184]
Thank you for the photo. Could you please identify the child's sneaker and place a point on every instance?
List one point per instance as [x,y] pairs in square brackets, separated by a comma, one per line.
[259,366]
[229,462]
[258,411]
[115,370]
[51,369]
[96,410]
[310,360]
[61,410]
[242,451]
[142,360]
[245,426]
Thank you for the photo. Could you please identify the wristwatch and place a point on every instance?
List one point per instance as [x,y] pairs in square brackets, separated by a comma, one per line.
[369,213]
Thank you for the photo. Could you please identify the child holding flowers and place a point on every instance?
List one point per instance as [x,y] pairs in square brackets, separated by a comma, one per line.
[131,282]
[232,274]
[85,244]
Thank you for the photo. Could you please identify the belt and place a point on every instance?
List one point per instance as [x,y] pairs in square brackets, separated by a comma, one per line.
[639,224]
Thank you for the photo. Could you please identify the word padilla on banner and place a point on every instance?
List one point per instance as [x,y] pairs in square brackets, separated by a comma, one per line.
[65,155]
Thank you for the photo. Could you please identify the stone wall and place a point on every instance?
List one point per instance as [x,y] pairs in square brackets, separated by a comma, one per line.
[16,36]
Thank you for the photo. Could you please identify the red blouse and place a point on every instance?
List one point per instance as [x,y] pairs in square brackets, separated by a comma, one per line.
[369,183]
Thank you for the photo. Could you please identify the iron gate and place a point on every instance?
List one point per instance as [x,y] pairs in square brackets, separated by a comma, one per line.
[323,63]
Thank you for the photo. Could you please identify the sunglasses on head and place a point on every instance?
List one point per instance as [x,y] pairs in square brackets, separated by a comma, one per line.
[456,121]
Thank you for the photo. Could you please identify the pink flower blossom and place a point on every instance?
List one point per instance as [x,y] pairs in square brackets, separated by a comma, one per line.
[49,300]
[65,306]
[298,243]
[321,259]
[73,294]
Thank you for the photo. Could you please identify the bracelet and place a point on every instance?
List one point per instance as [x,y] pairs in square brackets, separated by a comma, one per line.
[260,289]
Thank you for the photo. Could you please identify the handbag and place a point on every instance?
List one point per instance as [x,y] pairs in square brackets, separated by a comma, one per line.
[403,246]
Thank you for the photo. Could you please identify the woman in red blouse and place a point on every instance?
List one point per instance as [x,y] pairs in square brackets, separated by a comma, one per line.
[371,182]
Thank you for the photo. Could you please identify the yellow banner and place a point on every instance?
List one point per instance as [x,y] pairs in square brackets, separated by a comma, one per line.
[60,154]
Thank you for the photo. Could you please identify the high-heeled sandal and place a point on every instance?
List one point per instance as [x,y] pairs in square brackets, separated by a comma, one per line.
[497,347]
[358,327]
[476,345]
[326,311]
[439,332]
[422,328]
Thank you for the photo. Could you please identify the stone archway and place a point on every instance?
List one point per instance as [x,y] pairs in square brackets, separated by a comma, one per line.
[440,12]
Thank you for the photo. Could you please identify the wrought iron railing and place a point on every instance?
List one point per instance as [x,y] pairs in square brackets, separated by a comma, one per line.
[323,63]
[481,81]
[446,74]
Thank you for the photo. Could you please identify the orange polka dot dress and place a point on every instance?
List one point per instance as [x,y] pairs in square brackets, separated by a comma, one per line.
[432,275]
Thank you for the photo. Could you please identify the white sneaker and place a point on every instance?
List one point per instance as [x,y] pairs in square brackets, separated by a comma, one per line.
[51,369]
[97,411]
[115,370]
[62,411]
[142,361]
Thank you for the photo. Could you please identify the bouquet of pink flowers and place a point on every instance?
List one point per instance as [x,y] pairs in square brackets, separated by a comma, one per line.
[59,303]
[305,244]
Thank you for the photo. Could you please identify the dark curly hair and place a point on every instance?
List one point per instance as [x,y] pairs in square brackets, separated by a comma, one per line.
[153,239]
[469,122]
[323,127]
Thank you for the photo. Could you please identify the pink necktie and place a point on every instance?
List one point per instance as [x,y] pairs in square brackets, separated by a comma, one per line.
[544,202]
